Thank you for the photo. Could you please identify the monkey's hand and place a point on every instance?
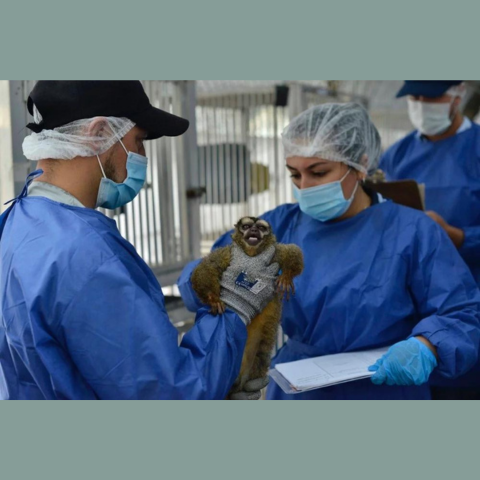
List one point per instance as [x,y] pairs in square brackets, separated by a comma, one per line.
[285,286]
[216,305]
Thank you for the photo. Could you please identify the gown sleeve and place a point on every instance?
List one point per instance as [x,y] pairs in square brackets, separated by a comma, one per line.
[122,342]
[470,249]
[447,299]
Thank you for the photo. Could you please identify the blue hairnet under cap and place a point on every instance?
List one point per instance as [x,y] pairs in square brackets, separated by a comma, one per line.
[427,88]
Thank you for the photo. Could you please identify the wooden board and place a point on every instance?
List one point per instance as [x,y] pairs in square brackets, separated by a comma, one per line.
[404,192]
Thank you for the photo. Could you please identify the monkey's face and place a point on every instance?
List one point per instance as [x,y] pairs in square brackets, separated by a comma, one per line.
[254,231]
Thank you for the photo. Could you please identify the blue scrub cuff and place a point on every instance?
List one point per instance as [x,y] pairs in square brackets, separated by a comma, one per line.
[233,323]
[452,360]
[470,248]
[189,296]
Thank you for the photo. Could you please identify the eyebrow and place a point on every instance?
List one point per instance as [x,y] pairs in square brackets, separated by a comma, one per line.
[309,167]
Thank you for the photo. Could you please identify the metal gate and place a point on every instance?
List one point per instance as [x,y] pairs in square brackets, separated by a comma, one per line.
[240,159]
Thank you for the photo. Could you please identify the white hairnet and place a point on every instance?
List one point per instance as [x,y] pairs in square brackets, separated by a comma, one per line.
[76,139]
[340,132]
[457,90]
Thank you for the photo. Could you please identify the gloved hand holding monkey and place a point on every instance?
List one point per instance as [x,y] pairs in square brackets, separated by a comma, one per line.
[244,278]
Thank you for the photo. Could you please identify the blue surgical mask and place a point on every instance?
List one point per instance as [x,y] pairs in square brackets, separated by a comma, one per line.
[114,195]
[324,202]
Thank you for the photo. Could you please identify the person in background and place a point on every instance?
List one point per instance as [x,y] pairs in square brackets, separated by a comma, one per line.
[443,152]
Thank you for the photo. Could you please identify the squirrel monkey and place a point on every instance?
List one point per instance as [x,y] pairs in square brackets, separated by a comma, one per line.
[244,277]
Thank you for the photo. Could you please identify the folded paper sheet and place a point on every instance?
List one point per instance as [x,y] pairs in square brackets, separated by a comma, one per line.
[324,371]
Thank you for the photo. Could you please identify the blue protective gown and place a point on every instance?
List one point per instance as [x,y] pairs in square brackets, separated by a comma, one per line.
[370,281]
[83,317]
[450,170]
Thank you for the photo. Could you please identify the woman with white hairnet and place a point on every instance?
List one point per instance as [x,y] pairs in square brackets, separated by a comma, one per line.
[376,274]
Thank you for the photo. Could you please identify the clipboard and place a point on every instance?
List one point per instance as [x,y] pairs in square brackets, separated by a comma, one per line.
[404,192]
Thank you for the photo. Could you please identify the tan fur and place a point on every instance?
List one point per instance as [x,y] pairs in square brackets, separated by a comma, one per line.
[262,336]
[207,275]
[262,331]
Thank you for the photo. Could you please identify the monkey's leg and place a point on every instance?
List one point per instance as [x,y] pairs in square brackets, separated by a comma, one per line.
[254,338]
[262,329]
[271,320]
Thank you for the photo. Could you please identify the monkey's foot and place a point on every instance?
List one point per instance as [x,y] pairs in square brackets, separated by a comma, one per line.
[285,286]
[239,383]
[216,305]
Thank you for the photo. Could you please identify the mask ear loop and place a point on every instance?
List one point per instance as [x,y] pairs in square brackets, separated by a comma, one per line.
[345,176]
[354,190]
[454,92]
[119,139]
[356,183]
[101,167]
[121,143]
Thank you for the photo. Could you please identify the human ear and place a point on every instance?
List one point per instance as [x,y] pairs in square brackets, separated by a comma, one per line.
[456,103]
[96,130]
[364,161]
[98,127]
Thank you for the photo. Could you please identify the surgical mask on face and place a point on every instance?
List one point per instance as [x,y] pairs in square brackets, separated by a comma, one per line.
[324,202]
[429,118]
[114,195]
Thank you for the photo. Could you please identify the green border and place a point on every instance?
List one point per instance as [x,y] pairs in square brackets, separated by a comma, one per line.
[346,40]
[242,40]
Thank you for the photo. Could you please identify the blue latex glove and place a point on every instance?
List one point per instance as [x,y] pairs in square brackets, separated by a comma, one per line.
[406,363]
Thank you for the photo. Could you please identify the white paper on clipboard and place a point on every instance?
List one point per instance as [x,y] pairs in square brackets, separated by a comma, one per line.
[324,371]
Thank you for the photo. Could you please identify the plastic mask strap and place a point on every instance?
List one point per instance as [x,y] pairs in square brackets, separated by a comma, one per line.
[100,163]
[101,167]
[345,176]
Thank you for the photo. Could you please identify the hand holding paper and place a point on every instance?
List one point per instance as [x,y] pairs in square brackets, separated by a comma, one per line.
[406,363]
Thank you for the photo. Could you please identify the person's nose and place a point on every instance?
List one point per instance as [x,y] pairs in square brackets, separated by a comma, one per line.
[306,183]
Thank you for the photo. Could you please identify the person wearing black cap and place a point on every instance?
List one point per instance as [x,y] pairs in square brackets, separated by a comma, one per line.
[444,154]
[81,314]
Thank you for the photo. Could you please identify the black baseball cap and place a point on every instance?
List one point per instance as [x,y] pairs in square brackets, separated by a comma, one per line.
[61,102]
[426,88]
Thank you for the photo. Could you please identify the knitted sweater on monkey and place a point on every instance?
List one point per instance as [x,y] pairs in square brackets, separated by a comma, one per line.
[248,284]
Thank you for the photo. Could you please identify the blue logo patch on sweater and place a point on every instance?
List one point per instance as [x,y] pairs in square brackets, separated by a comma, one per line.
[251,284]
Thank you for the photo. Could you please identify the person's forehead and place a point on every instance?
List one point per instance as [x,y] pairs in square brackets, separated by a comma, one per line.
[308,162]
[138,132]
